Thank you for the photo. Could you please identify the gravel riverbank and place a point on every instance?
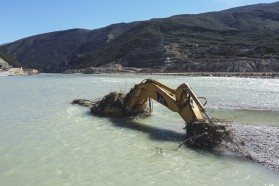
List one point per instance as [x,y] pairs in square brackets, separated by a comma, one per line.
[259,143]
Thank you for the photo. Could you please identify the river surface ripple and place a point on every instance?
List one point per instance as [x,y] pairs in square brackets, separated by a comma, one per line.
[44,140]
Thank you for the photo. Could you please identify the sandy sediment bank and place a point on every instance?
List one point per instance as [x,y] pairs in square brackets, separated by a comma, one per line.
[259,143]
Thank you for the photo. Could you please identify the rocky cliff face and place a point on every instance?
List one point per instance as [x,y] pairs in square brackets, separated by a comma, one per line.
[4,65]
[242,39]
[235,40]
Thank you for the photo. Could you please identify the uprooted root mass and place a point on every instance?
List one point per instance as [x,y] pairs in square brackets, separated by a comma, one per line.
[112,104]
[208,135]
[205,134]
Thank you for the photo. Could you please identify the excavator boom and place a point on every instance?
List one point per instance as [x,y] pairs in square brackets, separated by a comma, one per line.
[182,100]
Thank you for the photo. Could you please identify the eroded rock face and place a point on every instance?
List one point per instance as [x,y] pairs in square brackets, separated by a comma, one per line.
[167,53]
[19,71]
[4,65]
[226,65]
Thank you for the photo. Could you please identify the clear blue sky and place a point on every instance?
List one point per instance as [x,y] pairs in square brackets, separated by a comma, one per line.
[23,18]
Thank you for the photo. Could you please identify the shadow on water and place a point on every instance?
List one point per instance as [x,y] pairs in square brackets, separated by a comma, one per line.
[155,133]
[160,134]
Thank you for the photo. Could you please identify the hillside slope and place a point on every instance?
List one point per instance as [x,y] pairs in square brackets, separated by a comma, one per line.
[241,39]
[51,52]
[9,59]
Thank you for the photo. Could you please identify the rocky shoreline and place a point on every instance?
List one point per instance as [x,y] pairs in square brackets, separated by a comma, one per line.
[114,68]
[103,70]
[226,74]
[18,71]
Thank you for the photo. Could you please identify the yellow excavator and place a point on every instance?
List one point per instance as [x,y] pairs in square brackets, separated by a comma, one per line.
[181,100]
[201,131]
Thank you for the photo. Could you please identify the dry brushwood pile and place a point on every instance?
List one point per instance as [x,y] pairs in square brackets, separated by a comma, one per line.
[112,104]
[205,134]
[210,134]
[257,143]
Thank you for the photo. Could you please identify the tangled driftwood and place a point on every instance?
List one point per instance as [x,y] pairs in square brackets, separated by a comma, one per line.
[112,104]
[205,134]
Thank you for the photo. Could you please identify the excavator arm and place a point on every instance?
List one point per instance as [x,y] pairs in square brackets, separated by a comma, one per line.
[201,131]
[182,100]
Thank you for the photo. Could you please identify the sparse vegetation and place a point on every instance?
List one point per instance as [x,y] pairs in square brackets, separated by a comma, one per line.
[9,59]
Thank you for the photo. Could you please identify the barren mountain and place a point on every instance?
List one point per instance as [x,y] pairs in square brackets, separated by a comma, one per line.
[242,39]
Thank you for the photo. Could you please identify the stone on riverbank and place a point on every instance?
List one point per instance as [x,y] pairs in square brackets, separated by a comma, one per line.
[18,71]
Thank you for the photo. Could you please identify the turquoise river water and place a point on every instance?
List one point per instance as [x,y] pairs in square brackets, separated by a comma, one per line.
[46,141]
